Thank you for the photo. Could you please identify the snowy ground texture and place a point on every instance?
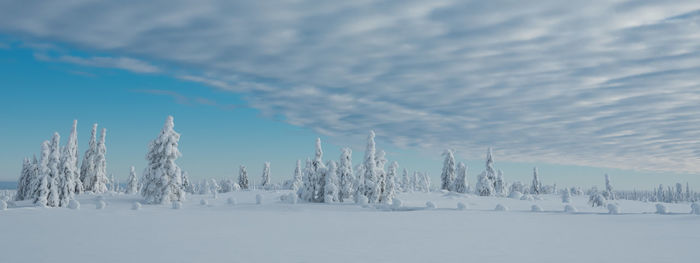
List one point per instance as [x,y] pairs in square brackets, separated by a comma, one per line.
[281,232]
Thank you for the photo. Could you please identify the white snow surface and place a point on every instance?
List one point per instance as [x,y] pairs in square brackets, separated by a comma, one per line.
[276,231]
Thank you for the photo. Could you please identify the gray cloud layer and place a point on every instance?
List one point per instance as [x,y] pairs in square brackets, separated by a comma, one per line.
[601,83]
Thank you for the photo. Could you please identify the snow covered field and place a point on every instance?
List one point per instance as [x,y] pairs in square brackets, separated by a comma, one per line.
[316,232]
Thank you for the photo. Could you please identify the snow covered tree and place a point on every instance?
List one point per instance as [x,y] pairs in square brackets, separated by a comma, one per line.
[331,187]
[448,171]
[23,185]
[69,164]
[566,196]
[88,167]
[100,180]
[162,182]
[484,186]
[42,191]
[55,175]
[416,181]
[499,186]
[426,182]
[490,170]
[390,190]
[609,192]
[243,178]
[372,187]
[214,188]
[319,171]
[460,183]
[306,192]
[186,183]
[359,183]
[346,175]
[406,181]
[381,174]
[265,180]
[536,187]
[132,186]
[298,178]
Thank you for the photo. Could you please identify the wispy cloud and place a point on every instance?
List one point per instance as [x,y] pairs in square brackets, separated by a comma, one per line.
[602,83]
[124,63]
[186,100]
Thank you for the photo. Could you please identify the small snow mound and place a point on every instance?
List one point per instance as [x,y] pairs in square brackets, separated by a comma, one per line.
[396,203]
[289,198]
[536,208]
[613,209]
[500,207]
[11,204]
[461,206]
[203,202]
[527,197]
[430,205]
[570,209]
[99,198]
[259,199]
[4,198]
[3,205]
[177,205]
[515,195]
[444,191]
[537,197]
[100,205]
[661,209]
[231,201]
[361,200]
[136,206]
[74,204]
[695,208]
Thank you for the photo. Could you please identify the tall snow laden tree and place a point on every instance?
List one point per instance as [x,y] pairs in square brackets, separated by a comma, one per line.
[390,189]
[448,175]
[69,167]
[314,177]
[609,193]
[99,181]
[41,195]
[330,189]
[265,180]
[298,177]
[243,178]
[460,183]
[536,187]
[346,175]
[359,186]
[381,174]
[24,183]
[88,167]
[162,177]
[132,185]
[405,181]
[54,173]
[372,187]
[499,186]
[486,180]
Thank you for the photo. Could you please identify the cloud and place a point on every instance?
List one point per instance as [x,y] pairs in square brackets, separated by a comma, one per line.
[124,63]
[186,100]
[601,83]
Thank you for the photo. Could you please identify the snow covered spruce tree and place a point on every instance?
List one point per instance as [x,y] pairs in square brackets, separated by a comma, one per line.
[359,195]
[297,181]
[372,187]
[132,186]
[24,183]
[265,180]
[88,167]
[536,187]
[71,183]
[330,187]
[345,174]
[460,183]
[609,192]
[99,181]
[405,181]
[499,186]
[306,192]
[314,177]
[55,175]
[381,174]
[448,175]
[162,182]
[486,180]
[243,178]
[390,189]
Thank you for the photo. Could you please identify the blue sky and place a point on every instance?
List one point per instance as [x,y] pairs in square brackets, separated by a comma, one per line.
[577,89]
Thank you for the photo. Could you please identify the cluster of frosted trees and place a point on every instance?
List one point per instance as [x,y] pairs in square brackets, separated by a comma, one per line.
[369,182]
[666,194]
[54,178]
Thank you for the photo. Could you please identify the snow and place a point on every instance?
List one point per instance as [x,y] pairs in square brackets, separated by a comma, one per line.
[312,232]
